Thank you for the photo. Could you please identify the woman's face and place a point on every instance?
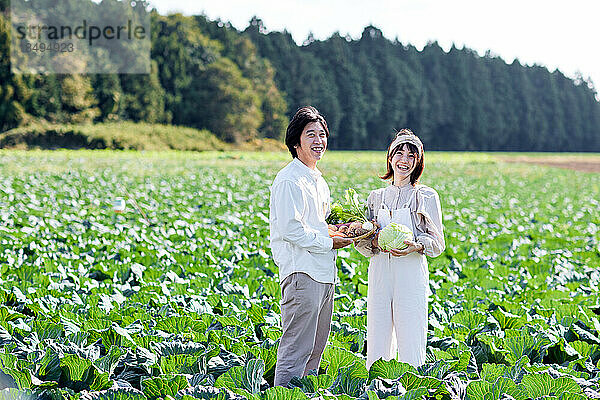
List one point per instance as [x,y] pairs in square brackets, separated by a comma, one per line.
[403,163]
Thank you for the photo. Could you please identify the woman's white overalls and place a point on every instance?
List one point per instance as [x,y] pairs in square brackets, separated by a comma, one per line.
[397,300]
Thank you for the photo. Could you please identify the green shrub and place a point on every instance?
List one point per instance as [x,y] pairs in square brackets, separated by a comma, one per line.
[118,136]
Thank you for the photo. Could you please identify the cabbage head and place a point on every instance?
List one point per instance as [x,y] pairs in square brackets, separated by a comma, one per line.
[393,236]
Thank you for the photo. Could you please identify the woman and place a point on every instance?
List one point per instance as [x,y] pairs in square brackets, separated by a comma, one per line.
[399,279]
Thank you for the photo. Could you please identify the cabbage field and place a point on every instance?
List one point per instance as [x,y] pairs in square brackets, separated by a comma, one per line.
[177,297]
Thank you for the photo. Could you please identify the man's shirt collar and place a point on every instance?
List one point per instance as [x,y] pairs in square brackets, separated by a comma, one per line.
[315,173]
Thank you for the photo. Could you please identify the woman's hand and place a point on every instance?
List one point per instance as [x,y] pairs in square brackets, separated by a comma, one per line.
[413,247]
[375,237]
[375,242]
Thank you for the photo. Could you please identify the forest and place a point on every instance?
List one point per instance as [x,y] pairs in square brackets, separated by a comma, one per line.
[243,85]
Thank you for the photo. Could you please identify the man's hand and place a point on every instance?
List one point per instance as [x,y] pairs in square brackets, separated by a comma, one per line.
[339,242]
[412,248]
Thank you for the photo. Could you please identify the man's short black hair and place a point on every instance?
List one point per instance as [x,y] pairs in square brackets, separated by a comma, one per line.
[303,117]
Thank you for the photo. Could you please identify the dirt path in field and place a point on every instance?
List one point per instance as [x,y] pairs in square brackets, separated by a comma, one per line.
[584,164]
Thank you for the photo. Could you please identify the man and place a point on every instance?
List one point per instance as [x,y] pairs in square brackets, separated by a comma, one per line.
[302,248]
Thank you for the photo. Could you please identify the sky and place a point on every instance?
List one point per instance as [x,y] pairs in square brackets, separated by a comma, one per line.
[562,35]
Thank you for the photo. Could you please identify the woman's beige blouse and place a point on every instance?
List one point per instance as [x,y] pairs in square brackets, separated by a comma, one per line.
[426,213]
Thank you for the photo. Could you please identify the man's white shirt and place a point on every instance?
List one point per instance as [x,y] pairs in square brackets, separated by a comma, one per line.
[300,201]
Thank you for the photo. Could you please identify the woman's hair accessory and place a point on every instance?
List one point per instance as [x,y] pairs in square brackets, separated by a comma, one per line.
[406,136]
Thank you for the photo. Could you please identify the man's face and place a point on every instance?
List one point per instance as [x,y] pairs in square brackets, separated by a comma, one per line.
[313,143]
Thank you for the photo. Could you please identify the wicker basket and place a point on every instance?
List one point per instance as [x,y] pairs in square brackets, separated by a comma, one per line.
[364,235]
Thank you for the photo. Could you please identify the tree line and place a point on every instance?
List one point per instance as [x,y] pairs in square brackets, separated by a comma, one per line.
[457,100]
[246,84]
[195,81]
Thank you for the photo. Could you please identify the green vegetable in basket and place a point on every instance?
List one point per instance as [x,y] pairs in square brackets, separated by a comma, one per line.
[351,210]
